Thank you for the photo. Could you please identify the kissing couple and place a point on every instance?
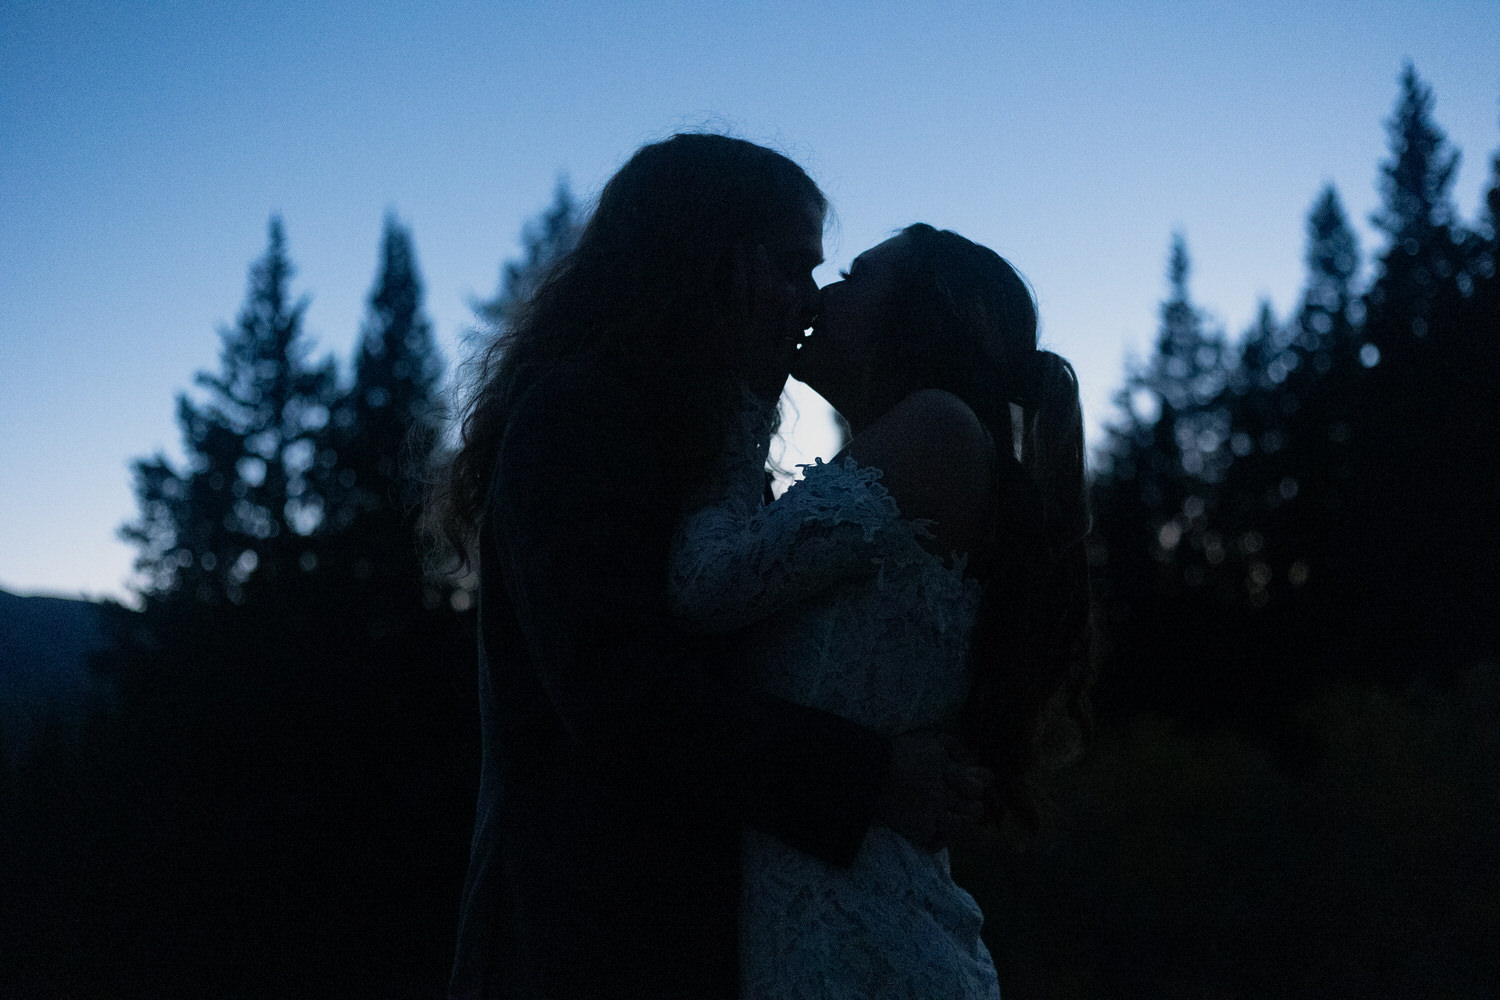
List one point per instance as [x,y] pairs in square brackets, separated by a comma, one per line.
[727,739]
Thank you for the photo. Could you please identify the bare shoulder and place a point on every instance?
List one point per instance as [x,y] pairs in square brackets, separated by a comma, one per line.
[947,428]
[938,461]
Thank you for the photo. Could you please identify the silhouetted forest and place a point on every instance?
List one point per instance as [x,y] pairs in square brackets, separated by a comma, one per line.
[1295,788]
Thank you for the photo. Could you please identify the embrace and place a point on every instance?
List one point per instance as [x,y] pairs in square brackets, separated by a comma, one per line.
[726,738]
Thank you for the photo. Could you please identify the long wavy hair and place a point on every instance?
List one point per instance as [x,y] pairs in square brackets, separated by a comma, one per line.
[961,319]
[647,292]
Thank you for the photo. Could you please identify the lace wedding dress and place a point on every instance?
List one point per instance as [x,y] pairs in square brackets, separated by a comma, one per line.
[843,609]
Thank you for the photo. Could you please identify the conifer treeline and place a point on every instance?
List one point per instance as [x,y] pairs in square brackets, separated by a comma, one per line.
[277,801]
[296,692]
[278,796]
[1320,504]
[283,460]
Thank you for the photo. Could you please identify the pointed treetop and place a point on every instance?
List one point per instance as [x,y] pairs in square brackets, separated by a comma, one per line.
[398,288]
[1258,345]
[1332,247]
[1332,260]
[1415,181]
[396,360]
[258,354]
[1178,267]
[243,504]
[1265,317]
[274,270]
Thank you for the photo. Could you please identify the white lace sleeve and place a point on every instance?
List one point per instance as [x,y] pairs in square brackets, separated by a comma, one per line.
[735,560]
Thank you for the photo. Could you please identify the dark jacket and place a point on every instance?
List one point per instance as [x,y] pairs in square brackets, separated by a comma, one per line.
[621,756]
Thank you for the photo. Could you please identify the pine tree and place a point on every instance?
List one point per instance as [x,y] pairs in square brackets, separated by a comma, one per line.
[1422,449]
[1492,208]
[1425,254]
[546,240]
[242,510]
[1171,445]
[377,449]
[1332,260]
[1486,273]
[293,731]
[1318,398]
[1292,391]
[1154,498]
[385,427]
[1255,482]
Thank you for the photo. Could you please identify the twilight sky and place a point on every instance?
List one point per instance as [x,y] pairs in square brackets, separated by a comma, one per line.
[143,148]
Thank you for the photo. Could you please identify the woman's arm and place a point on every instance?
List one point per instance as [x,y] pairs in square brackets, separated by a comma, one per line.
[736,560]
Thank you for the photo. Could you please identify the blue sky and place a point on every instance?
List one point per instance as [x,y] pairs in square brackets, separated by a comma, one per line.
[144,146]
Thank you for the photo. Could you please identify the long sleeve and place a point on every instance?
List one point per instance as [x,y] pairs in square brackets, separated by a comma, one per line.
[736,561]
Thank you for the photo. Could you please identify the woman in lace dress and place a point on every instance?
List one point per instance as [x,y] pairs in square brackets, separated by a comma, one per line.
[931,578]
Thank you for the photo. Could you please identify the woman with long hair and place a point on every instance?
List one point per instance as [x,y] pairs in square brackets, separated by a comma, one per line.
[620,756]
[962,492]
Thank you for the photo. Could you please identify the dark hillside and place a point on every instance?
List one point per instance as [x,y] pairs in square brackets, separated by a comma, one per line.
[45,644]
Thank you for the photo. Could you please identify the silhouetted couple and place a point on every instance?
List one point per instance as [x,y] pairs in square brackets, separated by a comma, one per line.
[725,738]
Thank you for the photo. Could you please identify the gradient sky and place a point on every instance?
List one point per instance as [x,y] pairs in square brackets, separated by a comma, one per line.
[143,147]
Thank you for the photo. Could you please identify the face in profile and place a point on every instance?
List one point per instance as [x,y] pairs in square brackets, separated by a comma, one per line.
[787,298]
[797,260]
[835,359]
